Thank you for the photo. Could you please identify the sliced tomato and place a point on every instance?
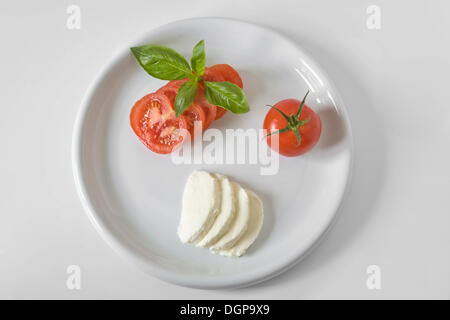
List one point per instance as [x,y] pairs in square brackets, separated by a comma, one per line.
[210,75]
[176,83]
[214,74]
[170,90]
[154,122]
[220,112]
[209,110]
[228,73]
[193,113]
[217,73]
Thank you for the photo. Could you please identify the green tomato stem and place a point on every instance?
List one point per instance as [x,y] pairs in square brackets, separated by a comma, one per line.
[293,120]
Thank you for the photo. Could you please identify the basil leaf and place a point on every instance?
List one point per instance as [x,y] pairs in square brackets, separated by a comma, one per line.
[198,58]
[162,62]
[226,95]
[185,96]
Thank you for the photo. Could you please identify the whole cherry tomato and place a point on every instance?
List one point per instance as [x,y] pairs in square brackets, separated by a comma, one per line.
[296,125]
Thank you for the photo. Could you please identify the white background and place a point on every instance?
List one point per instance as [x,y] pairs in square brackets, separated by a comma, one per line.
[394,81]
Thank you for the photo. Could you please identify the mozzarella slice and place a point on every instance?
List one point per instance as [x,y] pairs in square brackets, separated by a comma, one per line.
[226,214]
[201,203]
[240,222]
[254,227]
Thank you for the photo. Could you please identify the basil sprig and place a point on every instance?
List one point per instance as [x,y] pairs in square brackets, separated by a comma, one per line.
[167,64]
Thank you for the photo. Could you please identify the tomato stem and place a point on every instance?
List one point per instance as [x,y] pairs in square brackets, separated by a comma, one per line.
[281,112]
[278,131]
[301,105]
[297,135]
[293,120]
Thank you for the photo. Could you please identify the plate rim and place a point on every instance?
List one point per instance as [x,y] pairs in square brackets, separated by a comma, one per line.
[119,247]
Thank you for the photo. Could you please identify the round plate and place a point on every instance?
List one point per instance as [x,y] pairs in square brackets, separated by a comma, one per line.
[133,196]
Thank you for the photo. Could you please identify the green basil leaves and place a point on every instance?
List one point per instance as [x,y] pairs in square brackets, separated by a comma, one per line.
[227,95]
[162,62]
[185,96]
[198,59]
[167,64]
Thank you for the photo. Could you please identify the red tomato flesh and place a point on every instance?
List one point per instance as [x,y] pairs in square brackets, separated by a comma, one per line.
[209,109]
[171,89]
[193,113]
[154,122]
[228,73]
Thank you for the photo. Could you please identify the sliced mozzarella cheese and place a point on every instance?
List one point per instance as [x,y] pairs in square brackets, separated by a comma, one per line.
[254,226]
[240,222]
[201,203]
[225,216]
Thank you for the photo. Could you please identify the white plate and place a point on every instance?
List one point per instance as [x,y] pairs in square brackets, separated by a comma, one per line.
[133,196]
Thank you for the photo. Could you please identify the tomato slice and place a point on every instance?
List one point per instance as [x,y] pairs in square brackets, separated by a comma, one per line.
[176,83]
[170,90]
[193,113]
[212,75]
[228,73]
[220,112]
[223,72]
[209,110]
[154,122]
[217,73]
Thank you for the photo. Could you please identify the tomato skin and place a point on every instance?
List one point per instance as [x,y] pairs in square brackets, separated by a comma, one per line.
[309,132]
[154,122]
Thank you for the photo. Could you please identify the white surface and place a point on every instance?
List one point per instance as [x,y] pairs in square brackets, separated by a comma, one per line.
[394,84]
[133,196]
